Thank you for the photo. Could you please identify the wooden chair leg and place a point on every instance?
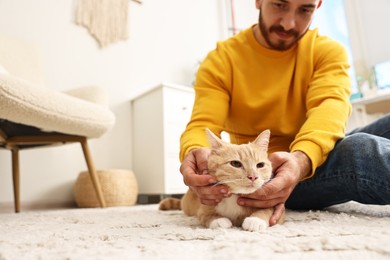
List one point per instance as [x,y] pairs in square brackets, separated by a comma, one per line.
[15,177]
[92,173]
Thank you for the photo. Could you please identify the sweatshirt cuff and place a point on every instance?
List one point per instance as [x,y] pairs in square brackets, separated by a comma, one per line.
[313,151]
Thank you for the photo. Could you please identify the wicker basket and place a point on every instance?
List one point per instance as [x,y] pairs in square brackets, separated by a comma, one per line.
[119,188]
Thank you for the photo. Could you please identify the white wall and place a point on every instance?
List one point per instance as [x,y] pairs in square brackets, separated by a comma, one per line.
[368,26]
[166,40]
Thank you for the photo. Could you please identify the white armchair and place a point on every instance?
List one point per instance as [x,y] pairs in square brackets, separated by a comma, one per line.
[32,115]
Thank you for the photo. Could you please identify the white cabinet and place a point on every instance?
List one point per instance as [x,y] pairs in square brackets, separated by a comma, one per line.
[159,118]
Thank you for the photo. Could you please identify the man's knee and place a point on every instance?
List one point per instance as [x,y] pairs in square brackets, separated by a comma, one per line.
[360,144]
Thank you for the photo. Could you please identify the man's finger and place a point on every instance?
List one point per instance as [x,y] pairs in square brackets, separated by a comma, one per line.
[198,180]
[254,203]
[277,215]
[270,190]
[211,192]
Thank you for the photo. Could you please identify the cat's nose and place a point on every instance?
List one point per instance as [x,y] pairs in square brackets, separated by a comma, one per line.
[252,177]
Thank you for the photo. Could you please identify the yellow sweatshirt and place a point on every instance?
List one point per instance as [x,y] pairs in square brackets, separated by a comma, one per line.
[301,95]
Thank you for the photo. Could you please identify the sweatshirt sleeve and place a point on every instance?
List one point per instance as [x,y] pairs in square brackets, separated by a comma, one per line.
[211,102]
[327,102]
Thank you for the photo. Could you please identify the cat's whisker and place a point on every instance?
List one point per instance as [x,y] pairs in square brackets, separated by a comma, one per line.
[225,182]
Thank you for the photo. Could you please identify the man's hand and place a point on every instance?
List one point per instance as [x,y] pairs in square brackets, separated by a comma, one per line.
[196,177]
[289,169]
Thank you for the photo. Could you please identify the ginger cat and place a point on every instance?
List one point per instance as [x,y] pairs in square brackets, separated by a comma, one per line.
[243,169]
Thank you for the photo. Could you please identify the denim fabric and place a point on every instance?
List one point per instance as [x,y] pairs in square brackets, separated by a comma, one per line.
[358,169]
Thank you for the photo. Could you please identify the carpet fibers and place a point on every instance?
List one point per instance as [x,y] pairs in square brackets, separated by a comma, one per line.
[347,231]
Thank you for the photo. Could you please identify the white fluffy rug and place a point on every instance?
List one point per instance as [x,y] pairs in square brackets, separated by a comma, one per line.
[348,231]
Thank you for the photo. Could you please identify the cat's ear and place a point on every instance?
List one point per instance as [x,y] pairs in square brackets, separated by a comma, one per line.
[262,139]
[214,140]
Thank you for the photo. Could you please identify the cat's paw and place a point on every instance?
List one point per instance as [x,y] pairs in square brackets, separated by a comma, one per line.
[220,223]
[254,224]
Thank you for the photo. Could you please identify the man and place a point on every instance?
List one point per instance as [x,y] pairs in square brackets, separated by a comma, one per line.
[279,75]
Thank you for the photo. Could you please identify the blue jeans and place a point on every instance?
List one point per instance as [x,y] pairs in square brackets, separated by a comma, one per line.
[358,169]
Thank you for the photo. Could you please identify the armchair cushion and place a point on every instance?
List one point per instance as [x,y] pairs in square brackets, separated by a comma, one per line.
[54,111]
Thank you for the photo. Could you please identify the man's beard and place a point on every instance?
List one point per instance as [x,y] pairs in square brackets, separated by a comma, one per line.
[280,45]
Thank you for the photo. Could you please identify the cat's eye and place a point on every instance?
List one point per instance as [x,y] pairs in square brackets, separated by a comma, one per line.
[260,165]
[236,164]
